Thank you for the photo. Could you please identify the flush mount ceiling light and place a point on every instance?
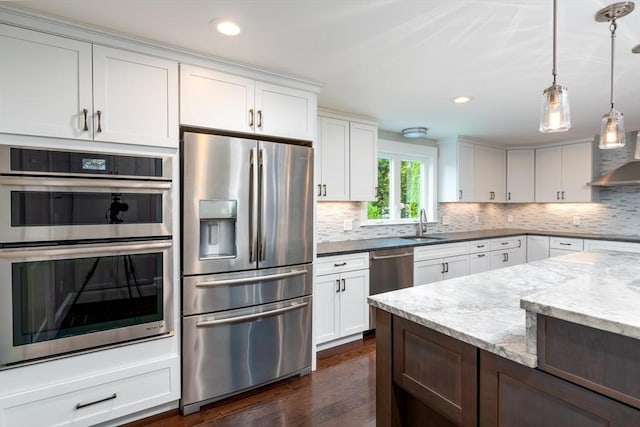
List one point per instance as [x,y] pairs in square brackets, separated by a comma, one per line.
[224,26]
[461,99]
[555,116]
[415,132]
[612,129]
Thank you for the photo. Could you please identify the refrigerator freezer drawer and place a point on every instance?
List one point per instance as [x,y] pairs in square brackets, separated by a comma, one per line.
[229,352]
[227,291]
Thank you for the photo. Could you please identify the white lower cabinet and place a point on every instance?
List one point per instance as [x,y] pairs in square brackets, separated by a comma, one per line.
[479,263]
[537,248]
[608,245]
[564,245]
[440,269]
[95,399]
[340,299]
[507,258]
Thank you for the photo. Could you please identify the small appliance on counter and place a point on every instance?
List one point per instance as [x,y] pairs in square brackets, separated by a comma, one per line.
[247,276]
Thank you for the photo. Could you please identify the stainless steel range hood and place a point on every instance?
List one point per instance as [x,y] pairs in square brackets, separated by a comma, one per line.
[628,174]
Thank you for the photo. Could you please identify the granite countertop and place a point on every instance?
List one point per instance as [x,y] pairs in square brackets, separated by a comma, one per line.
[365,245]
[600,289]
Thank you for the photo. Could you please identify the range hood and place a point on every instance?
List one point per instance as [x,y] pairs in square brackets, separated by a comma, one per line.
[628,174]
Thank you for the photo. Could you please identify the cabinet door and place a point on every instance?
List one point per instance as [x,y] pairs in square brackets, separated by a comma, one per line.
[548,174]
[354,310]
[537,248]
[135,98]
[216,100]
[577,170]
[334,159]
[479,263]
[427,271]
[456,267]
[520,176]
[285,112]
[363,161]
[490,174]
[326,301]
[507,258]
[466,168]
[45,84]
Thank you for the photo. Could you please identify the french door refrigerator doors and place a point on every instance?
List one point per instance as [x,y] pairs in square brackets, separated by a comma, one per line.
[246,204]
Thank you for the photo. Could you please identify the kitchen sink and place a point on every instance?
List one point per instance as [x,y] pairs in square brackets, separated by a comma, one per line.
[422,238]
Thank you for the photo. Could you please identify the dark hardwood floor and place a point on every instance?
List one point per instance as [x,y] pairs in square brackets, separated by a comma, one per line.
[340,393]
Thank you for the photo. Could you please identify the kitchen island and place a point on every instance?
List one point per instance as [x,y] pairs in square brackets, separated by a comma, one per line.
[555,342]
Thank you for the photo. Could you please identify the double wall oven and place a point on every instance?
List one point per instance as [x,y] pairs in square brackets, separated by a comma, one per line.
[85,251]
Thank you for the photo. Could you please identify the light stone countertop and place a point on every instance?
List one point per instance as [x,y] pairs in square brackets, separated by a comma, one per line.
[600,289]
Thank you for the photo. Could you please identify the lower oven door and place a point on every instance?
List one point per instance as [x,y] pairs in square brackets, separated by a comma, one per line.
[39,209]
[60,299]
[231,351]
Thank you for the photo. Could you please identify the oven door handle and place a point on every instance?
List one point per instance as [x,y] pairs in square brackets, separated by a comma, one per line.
[80,249]
[83,182]
[207,323]
[213,283]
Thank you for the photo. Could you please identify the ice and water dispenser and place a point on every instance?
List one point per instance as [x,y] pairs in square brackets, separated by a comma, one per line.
[218,228]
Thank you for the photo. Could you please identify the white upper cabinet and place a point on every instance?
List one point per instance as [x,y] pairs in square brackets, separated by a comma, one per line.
[470,172]
[520,176]
[562,173]
[346,159]
[490,174]
[217,100]
[53,86]
[45,84]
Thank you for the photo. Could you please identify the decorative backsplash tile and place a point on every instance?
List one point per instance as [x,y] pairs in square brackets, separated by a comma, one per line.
[617,213]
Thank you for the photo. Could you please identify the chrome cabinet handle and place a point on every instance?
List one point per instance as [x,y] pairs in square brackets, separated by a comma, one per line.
[254,279]
[319,190]
[509,195]
[460,195]
[86,126]
[251,117]
[562,195]
[479,246]
[252,242]
[442,271]
[342,264]
[565,244]
[248,317]
[447,265]
[337,286]
[557,195]
[99,113]
[324,189]
[95,402]
[259,118]
[481,255]
[344,283]
[504,243]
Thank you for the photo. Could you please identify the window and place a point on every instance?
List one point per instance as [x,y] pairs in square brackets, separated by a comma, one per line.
[406,184]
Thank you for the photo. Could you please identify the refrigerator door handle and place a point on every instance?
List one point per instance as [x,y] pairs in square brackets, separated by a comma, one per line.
[261,238]
[293,306]
[252,243]
[277,276]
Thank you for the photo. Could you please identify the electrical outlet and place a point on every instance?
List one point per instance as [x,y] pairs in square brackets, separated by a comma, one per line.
[576,220]
[348,225]
[476,219]
[446,220]
[509,218]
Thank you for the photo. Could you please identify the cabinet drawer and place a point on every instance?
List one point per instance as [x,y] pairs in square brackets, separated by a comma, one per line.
[339,263]
[479,246]
[566,244]
[82,402]
[440,251]
[506,243]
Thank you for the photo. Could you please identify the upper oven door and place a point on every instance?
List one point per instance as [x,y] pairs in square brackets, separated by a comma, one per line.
[53,208]
[65,298]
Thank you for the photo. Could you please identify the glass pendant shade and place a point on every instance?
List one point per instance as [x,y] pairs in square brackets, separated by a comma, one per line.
[612,130]
[555,116]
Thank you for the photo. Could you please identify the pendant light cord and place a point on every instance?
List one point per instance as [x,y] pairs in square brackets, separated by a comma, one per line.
[612,27]
[555,13]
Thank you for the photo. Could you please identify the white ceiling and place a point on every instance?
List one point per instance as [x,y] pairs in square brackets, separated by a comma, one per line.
[401,61]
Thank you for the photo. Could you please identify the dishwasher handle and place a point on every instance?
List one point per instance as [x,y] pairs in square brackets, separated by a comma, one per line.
[406,254]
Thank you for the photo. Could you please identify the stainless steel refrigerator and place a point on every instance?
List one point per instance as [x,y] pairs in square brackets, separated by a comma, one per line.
[247,278]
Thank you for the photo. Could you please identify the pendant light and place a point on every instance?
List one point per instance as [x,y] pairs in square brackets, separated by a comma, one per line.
[555,116]
[612,129]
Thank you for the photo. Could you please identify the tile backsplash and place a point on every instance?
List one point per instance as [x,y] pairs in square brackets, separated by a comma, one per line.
[617,213]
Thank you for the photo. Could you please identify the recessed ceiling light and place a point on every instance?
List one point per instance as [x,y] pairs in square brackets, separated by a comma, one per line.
[224,26]
[461,99]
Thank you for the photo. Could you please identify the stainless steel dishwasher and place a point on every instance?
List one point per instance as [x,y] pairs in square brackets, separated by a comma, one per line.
[389,269]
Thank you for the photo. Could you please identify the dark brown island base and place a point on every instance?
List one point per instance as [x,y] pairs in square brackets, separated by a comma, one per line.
[585,378]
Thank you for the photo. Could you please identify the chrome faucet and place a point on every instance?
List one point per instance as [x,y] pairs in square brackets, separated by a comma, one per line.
[422,226]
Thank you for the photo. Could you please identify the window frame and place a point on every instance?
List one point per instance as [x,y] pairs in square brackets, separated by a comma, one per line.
[397,151]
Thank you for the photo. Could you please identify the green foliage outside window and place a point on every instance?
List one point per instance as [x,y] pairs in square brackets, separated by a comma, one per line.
[409,189]
[380,208]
